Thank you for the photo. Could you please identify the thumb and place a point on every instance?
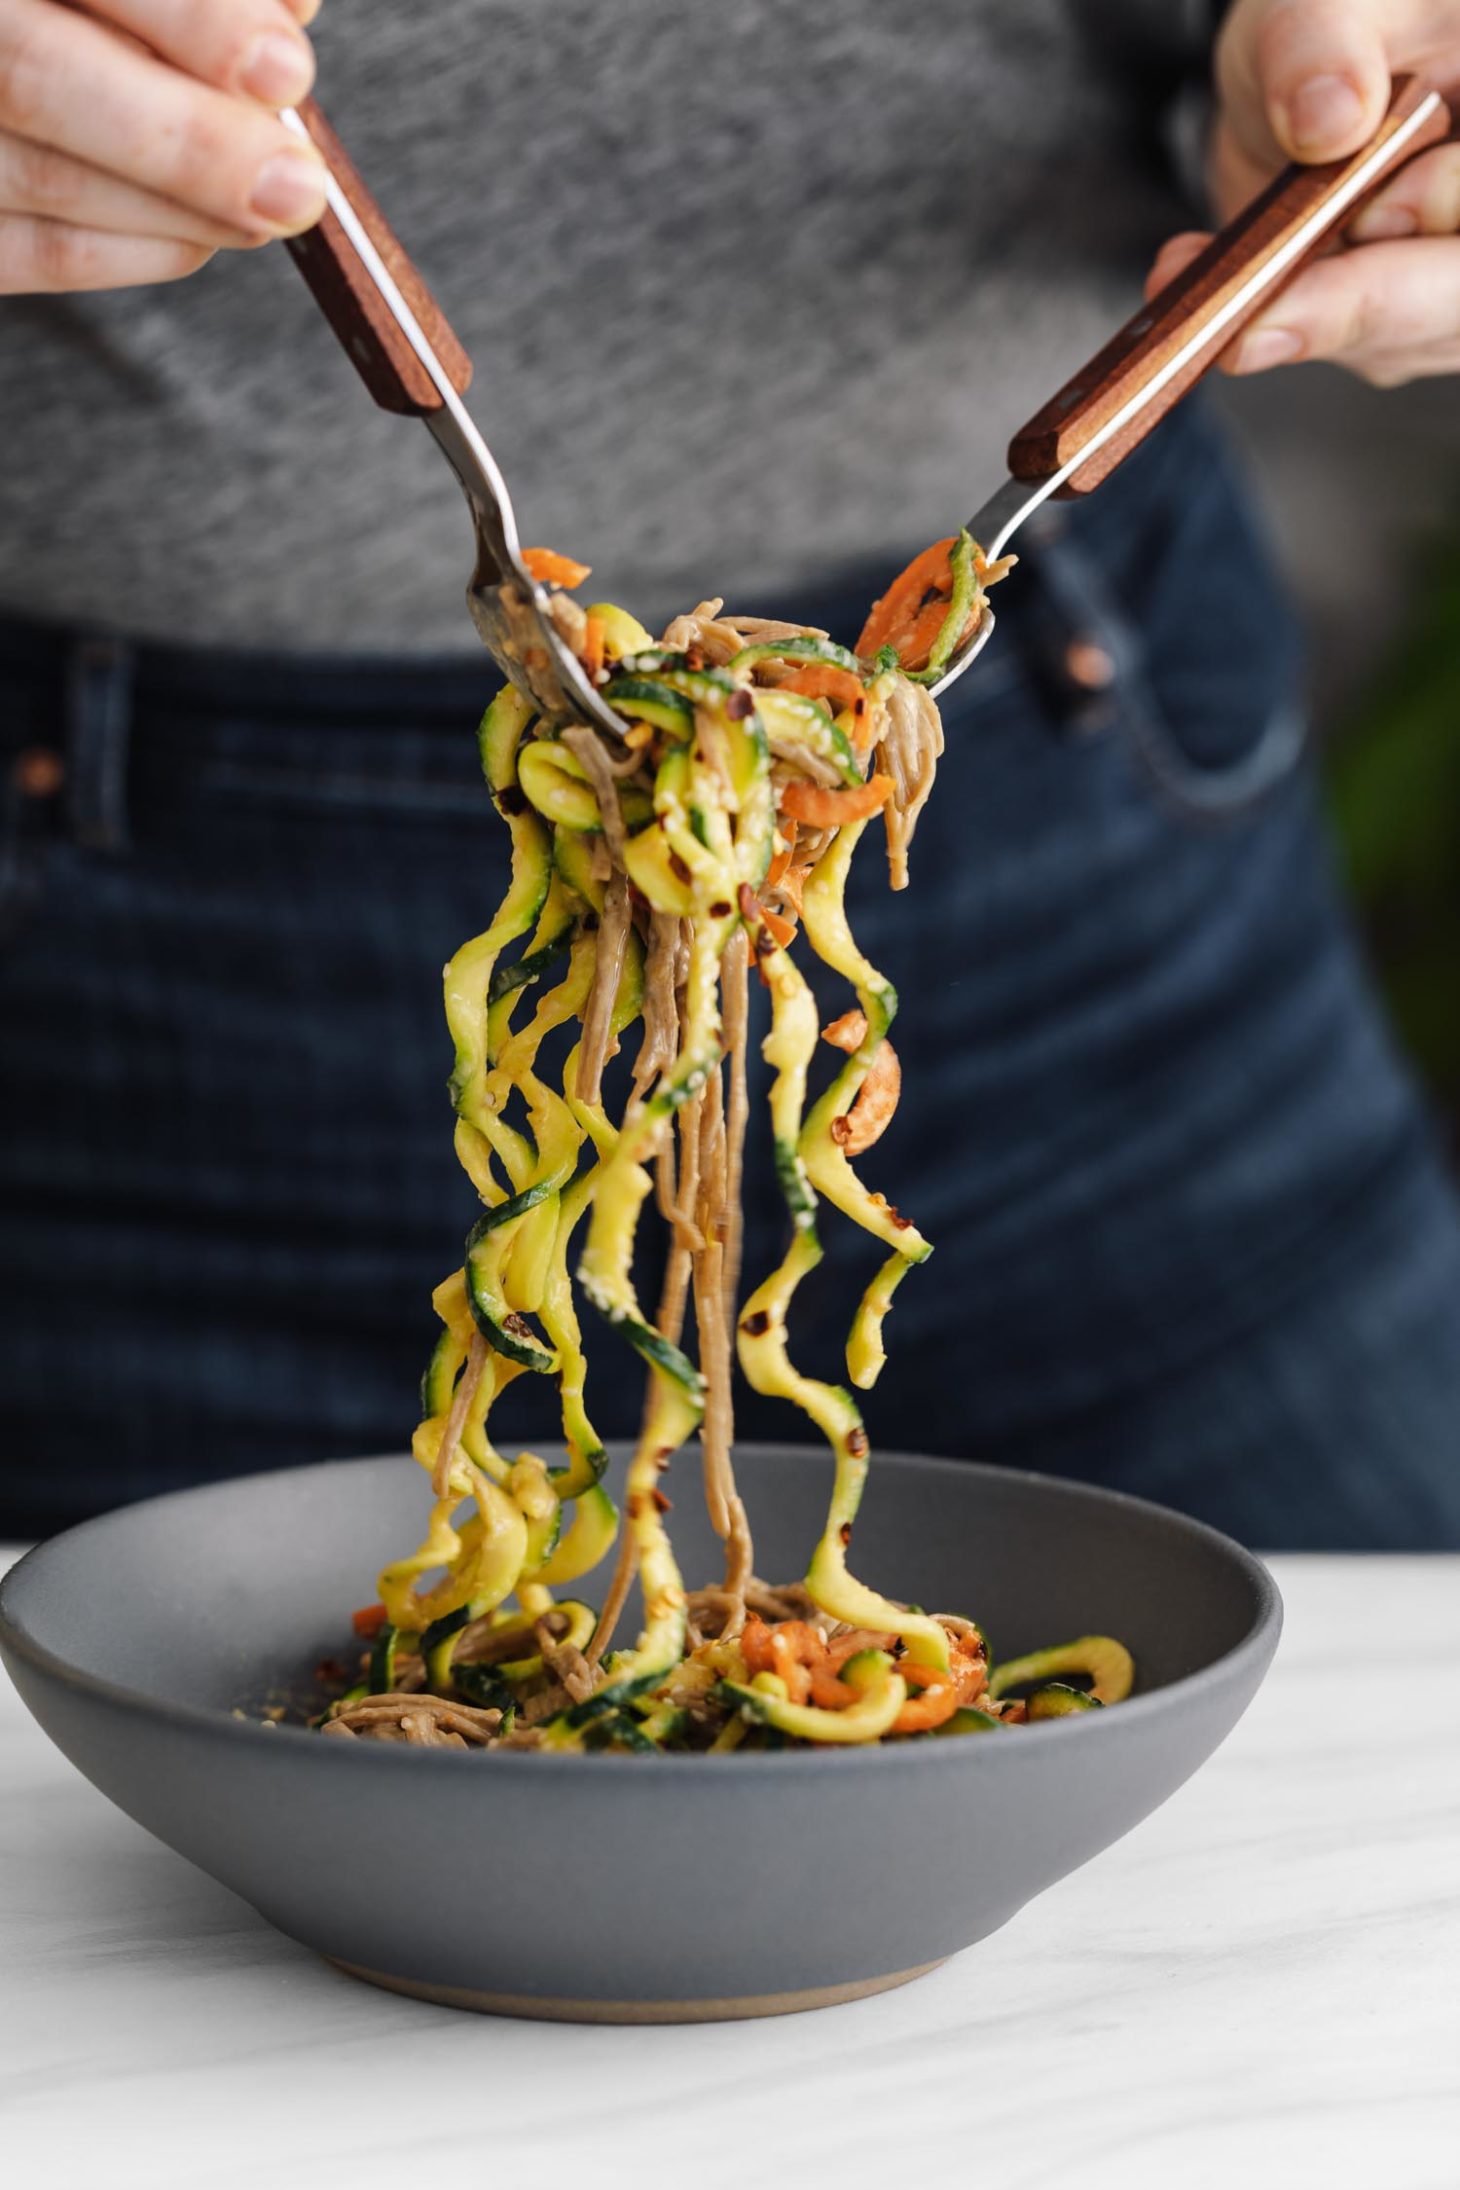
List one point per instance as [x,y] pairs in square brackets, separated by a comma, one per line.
[1310,76]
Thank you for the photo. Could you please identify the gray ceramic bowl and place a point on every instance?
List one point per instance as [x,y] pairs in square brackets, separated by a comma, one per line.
[616,1887]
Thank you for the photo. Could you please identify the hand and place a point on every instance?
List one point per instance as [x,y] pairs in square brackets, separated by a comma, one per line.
[136,137]
[1309,80]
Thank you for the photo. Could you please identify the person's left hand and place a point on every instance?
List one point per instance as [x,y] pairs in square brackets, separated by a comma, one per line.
[1309,80]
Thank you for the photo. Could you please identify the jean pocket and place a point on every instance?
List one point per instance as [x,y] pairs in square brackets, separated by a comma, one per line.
[1194,662]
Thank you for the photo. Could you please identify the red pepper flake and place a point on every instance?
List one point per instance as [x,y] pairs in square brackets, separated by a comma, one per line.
[665,1505]
[740,704]
[857,1443]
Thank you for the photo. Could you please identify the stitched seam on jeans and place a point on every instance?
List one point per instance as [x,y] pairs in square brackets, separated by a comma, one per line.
[1188,789]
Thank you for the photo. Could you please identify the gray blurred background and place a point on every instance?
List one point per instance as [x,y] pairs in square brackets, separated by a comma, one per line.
[1363,491]
[1358,481]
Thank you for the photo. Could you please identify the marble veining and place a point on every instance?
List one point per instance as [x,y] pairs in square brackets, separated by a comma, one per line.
[1258,1989]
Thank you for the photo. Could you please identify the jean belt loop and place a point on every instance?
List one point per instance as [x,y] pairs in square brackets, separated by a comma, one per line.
[99,675]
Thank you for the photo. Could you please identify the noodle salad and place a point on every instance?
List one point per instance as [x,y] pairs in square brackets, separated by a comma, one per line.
[651,882]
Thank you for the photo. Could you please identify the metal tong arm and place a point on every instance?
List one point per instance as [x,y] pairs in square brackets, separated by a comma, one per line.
[403,347]
[388,323]
[1080,436]
[396,335]
[1084,432]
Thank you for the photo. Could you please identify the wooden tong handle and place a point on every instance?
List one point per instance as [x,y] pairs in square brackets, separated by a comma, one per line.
[352,304]
[1198,296]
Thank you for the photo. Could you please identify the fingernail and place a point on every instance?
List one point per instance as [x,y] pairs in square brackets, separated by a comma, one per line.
[1322,112]
[289,192]
[1268,346]
[1384,224]
[277,69]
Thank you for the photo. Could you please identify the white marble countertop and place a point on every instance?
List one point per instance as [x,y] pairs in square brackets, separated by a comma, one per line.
[1258,1989]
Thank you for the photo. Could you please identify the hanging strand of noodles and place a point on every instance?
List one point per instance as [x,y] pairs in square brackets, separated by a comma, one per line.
[646,882]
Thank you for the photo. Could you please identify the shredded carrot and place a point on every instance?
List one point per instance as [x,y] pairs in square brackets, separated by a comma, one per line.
[782,859]
[829,1691]
[826,681]
[876,1104]
[913,610]
[768,931]
[811,1668]
[594,637]
[789,1654]
[781,930]
[792,887]
[859,1128]
[368,1621]
[937,1702]
[928,574]
[551,569]
[821,808]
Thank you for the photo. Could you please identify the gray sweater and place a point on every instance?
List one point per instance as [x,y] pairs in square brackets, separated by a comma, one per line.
[755,289]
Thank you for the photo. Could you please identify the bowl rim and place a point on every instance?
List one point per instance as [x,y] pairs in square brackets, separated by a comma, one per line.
[1259,1642]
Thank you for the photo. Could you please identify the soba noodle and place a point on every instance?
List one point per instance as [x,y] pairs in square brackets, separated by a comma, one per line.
[646,884]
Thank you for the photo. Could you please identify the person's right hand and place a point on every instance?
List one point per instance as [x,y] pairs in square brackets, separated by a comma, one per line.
[137,137]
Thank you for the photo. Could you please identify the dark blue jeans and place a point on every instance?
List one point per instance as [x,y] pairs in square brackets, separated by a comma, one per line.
[1192,1235]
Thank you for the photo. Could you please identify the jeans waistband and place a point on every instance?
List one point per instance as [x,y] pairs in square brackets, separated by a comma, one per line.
[366,687]
[113,719]
[209,680]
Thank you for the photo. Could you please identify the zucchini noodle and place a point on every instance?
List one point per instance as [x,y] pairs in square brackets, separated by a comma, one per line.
[647,883]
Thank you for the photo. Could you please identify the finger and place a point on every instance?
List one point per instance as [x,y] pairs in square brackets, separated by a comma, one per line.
[1303,79]
[41,256]
[69,82]
[34,179]
[1173,258]
[1396,368]
[1385,301]
[1234,178]
[253,46]
[1423,200]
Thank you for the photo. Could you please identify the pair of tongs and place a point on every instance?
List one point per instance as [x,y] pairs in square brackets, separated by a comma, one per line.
[404,350]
